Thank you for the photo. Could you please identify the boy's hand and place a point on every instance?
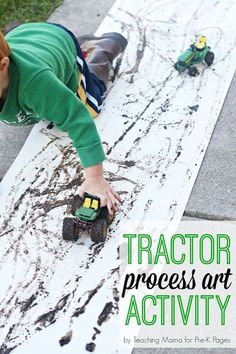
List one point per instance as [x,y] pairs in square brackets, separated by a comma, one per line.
[96,184]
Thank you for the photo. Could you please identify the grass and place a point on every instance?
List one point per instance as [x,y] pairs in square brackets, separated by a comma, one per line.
[26,10]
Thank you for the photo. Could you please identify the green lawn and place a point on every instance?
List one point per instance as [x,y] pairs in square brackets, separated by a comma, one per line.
[26,10]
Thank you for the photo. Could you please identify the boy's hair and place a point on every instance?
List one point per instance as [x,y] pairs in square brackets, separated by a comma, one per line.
[5,50]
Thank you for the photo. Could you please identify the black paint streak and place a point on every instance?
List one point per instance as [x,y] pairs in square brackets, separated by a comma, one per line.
[105,313]
[47,318]
[116,294]
[96,249]
[82,309]
[139,52]
[194,108]
[65,339]
[96,333]
[129,163]
[90,347]
[121,137]
[50,125]
[177,155]
[5,350]
[27,304]
[6,232]
[164,106]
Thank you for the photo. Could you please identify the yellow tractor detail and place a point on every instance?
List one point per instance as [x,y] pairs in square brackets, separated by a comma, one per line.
[94,204]
[87,203]
[201,42]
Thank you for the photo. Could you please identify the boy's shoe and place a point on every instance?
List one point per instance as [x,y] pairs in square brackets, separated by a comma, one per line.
[101,51]
[115,39]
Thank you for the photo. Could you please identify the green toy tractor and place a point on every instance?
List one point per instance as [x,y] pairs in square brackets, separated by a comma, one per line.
[197,53]
[89,216]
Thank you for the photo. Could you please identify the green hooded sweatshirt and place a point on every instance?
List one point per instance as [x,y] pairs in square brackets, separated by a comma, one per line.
[43,84]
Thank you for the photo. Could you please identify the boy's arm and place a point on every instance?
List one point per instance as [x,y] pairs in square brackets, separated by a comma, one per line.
[52,100]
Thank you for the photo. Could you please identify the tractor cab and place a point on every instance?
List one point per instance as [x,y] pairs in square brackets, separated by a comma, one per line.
[90,208]
[201,43]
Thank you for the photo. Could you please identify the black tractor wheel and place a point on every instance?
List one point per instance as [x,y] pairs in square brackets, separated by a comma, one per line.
[69,230]
[104,214]
[193,71]
[77,203]
[209,58]
[99,230]
[176,66]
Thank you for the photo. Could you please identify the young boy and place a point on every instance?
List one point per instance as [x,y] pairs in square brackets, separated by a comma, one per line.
[43,75]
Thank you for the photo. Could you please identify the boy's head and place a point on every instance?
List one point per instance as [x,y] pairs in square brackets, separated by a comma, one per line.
[5,53]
